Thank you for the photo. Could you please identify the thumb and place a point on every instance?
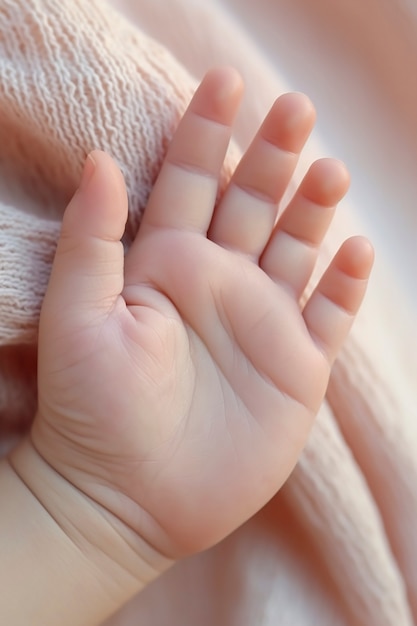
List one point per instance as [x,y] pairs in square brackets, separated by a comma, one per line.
[87,273]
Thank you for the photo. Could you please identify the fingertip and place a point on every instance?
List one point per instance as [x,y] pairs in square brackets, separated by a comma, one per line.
[297,100]
[88,172]
[101,199]
[289,121]
[219,94]
[356,257]
[107,169]
[226,75]
[326,182]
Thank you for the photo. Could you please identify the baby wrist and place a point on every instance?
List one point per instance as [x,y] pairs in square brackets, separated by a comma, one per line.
[94,556]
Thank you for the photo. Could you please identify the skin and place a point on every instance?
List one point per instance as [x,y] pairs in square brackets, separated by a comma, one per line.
[178,383]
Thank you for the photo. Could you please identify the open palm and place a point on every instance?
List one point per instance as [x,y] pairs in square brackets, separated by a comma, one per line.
[177,385]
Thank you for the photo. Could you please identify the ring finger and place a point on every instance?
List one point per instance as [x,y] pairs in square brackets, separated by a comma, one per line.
[245,217]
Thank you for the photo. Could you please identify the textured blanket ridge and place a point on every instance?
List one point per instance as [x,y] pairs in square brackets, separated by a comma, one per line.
[337,545]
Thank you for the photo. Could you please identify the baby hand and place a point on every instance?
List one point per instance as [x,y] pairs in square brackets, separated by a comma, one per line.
[178,383]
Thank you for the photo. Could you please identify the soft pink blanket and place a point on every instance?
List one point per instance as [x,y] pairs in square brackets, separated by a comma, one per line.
[338,545]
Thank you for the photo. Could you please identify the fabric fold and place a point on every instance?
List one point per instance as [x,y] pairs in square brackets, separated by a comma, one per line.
[337,509]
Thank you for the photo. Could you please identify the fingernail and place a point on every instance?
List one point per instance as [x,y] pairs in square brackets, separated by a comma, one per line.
[88,171]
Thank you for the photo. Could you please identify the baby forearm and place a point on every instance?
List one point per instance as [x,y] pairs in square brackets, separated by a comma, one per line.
[63,559]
